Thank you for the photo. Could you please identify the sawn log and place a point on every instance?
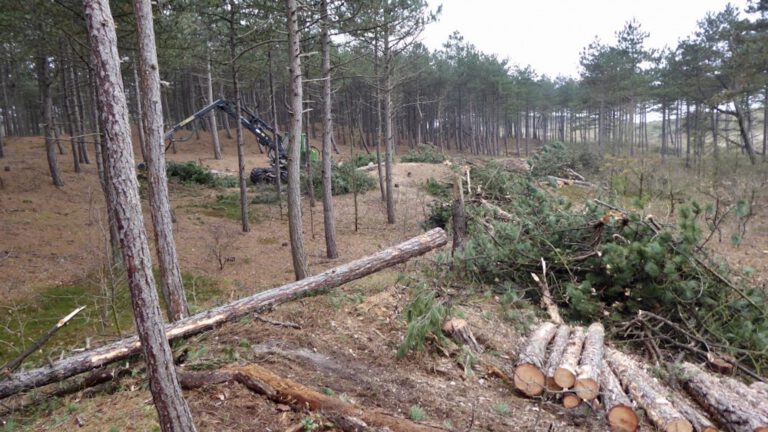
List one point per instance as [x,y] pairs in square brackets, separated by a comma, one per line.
[529,375]
[587,384]
[618,408]
[71,366]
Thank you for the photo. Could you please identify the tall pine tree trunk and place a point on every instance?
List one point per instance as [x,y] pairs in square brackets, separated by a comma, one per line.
[173,412]
[238,112]
[45,82]
[140,114]
[300,268]
[159,202]
[212,117]
[388,133]
[275,136]
[328,216]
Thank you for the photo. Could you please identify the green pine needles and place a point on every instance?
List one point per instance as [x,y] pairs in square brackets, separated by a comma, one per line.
[607,264]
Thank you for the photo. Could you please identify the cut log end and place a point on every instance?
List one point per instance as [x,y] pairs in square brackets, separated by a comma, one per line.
[571,401]
[587,389]
[622,418]
[678,426]
[564,378]
[529,379]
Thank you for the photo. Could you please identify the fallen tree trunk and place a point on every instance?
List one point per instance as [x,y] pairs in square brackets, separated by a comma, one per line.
[565,374]
[71,366]
[747,395]
[720,402]
[556,355]
[529,377]
[587,384]
[647,393]
[568,182]
[300,398]
[618,408]
[570,400]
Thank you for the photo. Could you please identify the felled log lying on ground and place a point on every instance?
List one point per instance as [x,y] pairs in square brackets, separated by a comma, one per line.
[281,390]
[647,393]
[587,384]
[71,366]
[529,375]
[699,421]
[556,355]
[565,374]
[723,403]
[618,408]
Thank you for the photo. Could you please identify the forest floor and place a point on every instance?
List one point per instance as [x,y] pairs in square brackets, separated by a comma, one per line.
[53,240]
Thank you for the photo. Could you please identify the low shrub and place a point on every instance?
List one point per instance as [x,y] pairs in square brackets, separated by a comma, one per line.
[424,153]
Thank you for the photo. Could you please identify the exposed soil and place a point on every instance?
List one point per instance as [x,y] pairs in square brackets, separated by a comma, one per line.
[348,338]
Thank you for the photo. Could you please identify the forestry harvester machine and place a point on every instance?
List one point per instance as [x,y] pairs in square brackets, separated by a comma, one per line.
[259,128]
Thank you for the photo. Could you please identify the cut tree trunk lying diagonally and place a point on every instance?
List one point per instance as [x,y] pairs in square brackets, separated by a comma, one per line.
[281,390]
[739,410]
[71,366]
[647,393]
[618,408]
[558,349]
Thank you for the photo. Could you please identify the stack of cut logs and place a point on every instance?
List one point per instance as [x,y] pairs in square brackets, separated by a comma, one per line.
[575,364]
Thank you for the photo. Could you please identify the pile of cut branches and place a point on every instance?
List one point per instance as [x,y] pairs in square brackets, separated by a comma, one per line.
[610,264]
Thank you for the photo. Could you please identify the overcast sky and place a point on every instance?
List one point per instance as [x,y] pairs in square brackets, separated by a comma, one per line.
[549,35]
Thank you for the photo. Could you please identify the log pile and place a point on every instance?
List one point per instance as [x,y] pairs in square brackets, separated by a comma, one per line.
[574,365]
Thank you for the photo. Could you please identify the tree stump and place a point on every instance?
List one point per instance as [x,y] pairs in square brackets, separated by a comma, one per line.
[458,329]
[528,376]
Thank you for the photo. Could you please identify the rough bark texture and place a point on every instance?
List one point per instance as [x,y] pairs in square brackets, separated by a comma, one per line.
[699,421]
[588,379]
[529,377]
[646,392]
[559,345]
[285,391]
[751,397]
[233,7]
[329,221]
[212,117]
[159,201]
[388,133]
[723,404]
[565,374]
[62,369]
[298,255]
[173,412]
[761,388]
[45,82]
[458,215]
[618,408]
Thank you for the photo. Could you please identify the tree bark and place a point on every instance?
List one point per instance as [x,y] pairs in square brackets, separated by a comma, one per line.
[65,368]
[159,201]
[729,408]
[140,114]
[388,133]
[275,136]
[646,392]
[565,374]
[173,412]
[246,225]
[458,215]
[556,355]
[529,377]
[618,408]
[212,118]
[298,255]
[587,384]
[329,221]
[44,79]
[691,412]
[285,391]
